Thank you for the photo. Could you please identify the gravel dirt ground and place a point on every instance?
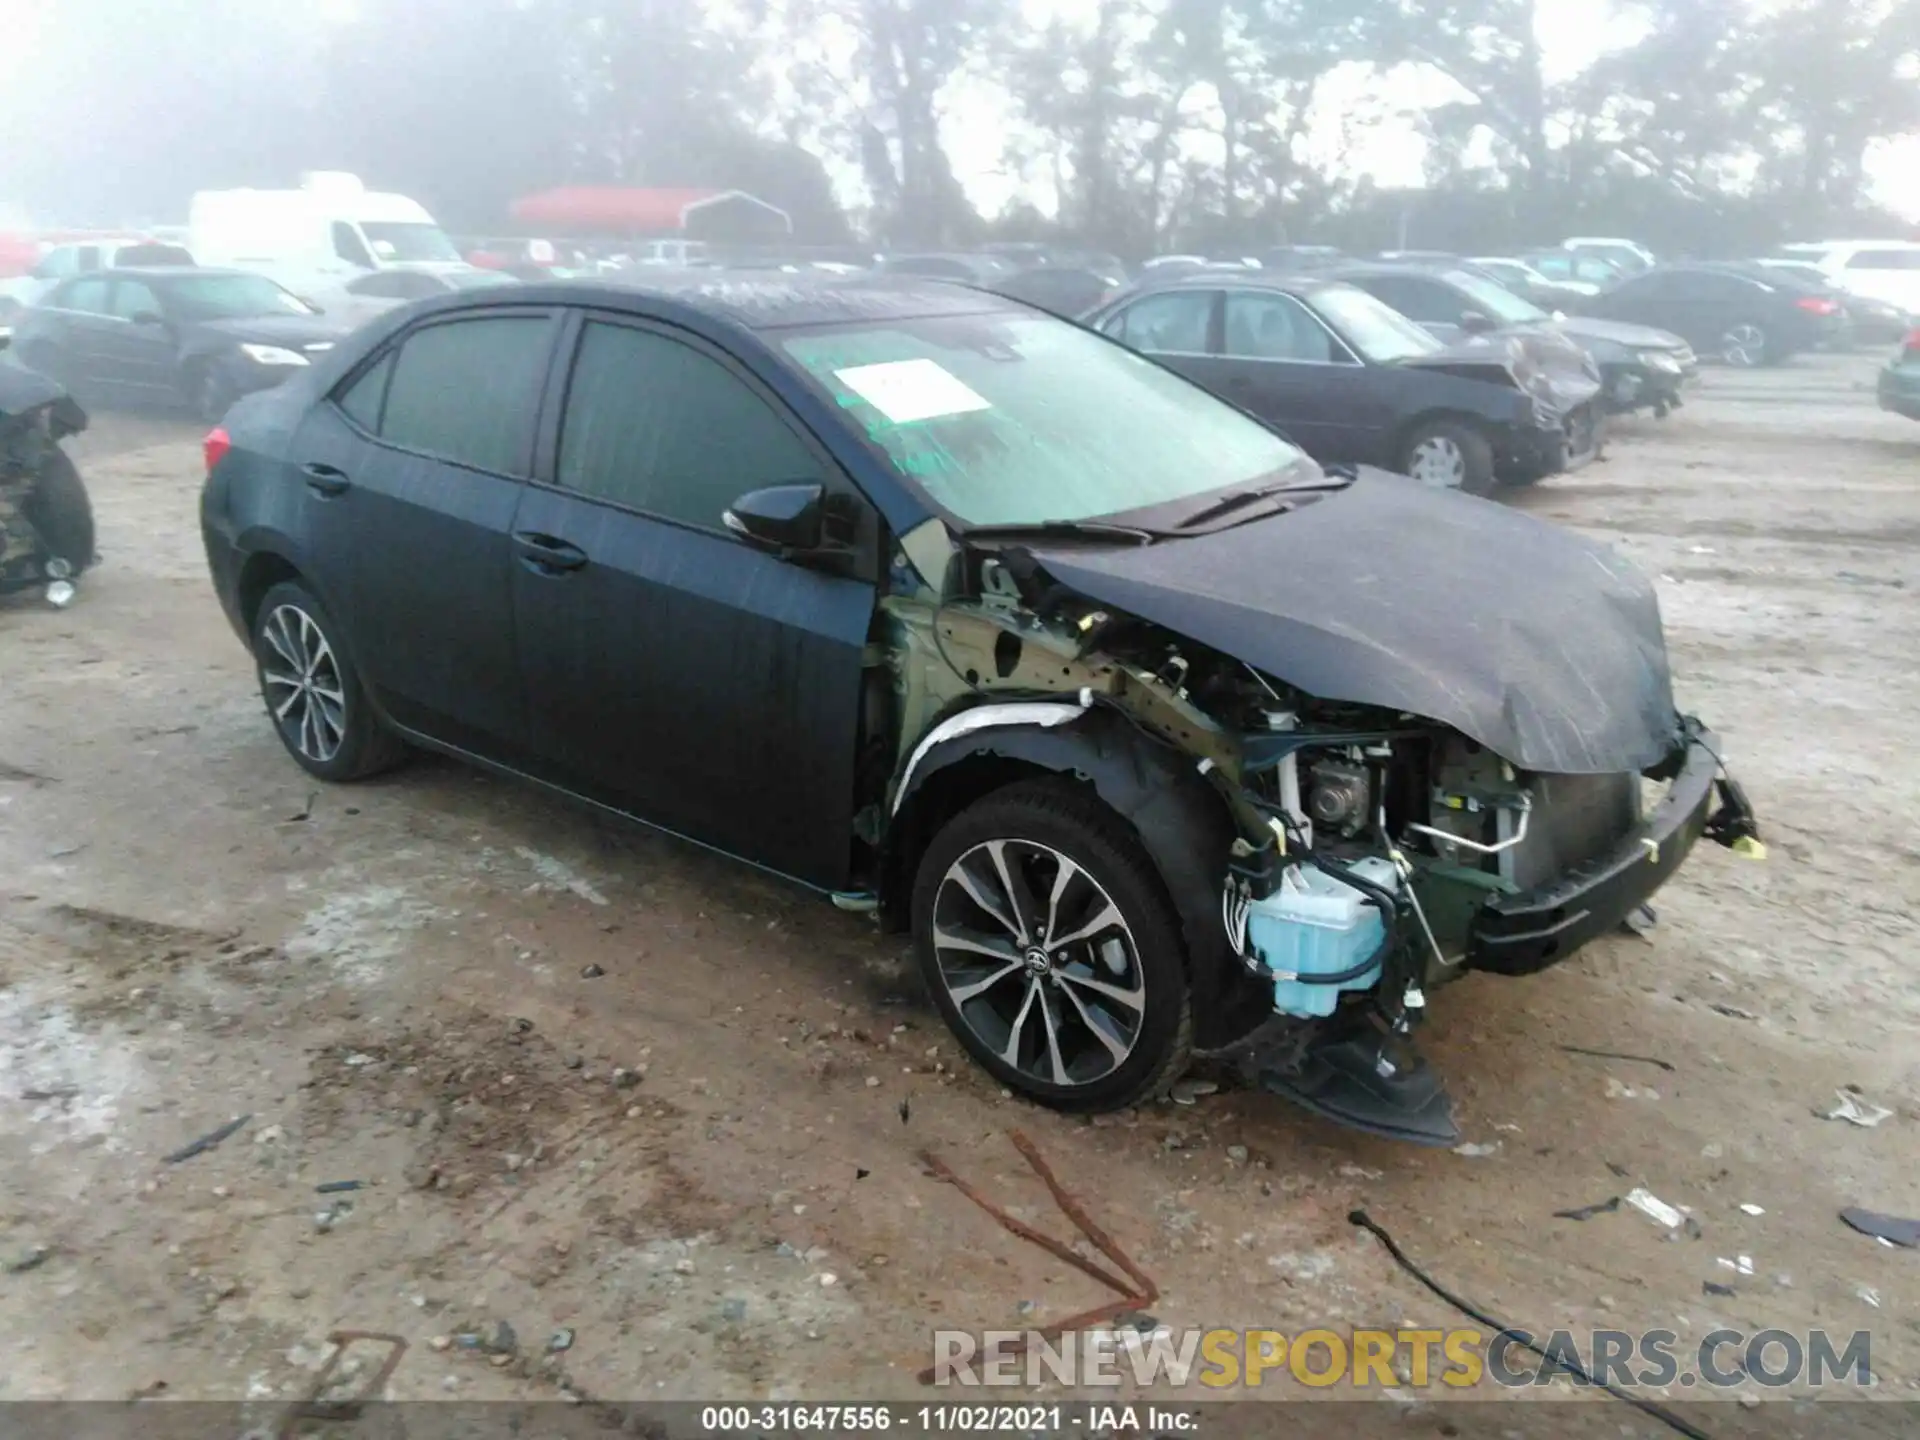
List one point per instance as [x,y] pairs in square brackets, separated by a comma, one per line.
[606,1088]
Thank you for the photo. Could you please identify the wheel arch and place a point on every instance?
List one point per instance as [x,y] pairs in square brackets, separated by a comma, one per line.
[259,573]
[1177,818]
[1434,414]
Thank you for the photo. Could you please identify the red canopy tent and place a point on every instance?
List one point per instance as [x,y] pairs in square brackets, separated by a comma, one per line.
[620,210]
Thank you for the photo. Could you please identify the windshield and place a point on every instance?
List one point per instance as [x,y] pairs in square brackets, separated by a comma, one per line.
[1378,331]
[408,240]
[231,297]
[1495,301]
[1021,419]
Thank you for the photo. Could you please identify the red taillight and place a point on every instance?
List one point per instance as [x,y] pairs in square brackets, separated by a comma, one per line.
[1817,305]
[216,446]
[1912,342]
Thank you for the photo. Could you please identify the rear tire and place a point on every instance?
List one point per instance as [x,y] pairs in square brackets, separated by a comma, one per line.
[1449,453]
[61,511]
[1048,942]
[1746,345]
[313,696]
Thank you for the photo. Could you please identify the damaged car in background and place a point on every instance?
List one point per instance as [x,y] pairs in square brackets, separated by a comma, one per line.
[1159,738]
[1641,368]
[46,516]
[1353,382]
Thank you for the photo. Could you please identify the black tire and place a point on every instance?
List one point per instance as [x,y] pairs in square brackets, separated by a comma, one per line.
[330,728]
[1057,819]
[1474,451]
[63,514]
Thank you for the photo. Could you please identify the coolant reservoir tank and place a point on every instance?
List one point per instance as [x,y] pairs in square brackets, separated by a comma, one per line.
[1314,924]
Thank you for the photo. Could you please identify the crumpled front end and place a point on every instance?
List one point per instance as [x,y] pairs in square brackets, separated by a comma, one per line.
[1447,737]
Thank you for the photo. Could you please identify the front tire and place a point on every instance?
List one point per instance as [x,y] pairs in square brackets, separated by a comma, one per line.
[1449,454]
[318,707]
[1050,946]
[59,509]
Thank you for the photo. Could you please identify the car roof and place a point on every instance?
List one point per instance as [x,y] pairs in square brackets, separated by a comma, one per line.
[1290,282]
[760,300]
[162,272]
[1442,270]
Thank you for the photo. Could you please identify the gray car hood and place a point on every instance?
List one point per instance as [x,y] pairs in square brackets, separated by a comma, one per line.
[1544,646]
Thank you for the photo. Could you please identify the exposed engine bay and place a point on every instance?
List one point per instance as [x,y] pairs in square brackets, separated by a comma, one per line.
[1375,853]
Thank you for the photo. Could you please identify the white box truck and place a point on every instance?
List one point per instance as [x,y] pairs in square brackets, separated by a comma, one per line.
[315,239]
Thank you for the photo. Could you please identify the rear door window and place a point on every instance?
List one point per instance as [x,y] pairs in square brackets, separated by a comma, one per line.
[1274,327]
[467,391]
[88,296]
[1176,322]
[130,298]
[657,425]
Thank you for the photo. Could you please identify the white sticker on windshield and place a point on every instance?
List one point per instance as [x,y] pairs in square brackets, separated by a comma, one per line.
[909,390]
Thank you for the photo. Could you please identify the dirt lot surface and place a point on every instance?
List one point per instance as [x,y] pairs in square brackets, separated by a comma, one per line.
[597,1085]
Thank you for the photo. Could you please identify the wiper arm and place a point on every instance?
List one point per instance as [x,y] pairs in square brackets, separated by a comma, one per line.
[1066,529]
[1228,503]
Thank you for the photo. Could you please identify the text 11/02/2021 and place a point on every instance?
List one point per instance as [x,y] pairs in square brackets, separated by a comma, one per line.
[954,1419]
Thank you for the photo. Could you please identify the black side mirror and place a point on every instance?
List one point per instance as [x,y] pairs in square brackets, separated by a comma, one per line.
[1475,323]
[786,519]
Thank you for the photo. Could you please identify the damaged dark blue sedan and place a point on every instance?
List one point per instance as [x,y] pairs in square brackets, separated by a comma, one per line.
[1160,738]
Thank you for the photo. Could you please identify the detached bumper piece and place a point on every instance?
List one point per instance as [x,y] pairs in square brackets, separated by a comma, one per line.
[1526,932]
[1367,1081]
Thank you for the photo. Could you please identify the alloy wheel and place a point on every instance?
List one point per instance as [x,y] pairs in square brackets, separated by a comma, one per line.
[1437,460]
[1039,962]
[301,680]
[1744,345]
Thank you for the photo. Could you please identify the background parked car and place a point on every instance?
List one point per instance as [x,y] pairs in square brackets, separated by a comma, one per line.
[1586,269]
[1886,270]
[1724,312]
[1353,382]
[1864,320]
[1058,289]
[1639,367]
[172,336]
[960,265]
[1629,257]
[82,258]
[1529,284]
[1900,381]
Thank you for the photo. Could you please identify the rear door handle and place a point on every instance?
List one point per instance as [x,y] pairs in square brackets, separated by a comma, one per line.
[325,479]
[546,553]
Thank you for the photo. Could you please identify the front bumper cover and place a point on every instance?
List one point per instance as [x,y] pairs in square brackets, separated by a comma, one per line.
[1523,933]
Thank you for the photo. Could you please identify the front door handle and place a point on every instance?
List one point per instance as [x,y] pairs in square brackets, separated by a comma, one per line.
[325,479]
[547,554]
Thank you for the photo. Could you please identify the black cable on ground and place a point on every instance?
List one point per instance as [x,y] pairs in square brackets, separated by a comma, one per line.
[1658,1412]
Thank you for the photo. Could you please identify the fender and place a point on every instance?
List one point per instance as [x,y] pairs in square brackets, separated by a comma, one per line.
[1180,819]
